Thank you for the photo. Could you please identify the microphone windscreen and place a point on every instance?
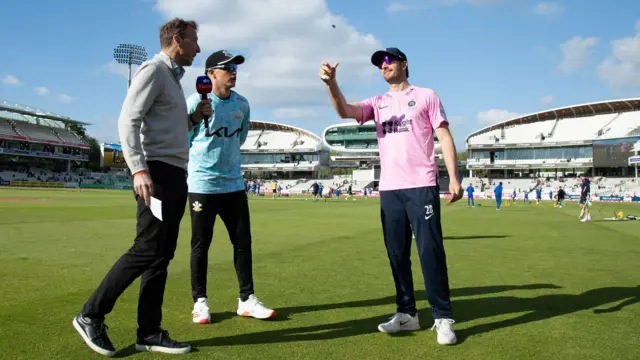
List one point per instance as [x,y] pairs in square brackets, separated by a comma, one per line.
[204,85]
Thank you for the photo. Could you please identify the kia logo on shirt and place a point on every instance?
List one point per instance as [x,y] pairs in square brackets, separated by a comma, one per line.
[224,132]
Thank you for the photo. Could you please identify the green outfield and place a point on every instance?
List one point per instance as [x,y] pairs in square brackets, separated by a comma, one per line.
[528,282]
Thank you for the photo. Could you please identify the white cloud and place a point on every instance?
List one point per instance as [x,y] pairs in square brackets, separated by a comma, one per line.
[622,67]
[397,7]
[41,90]
[493,116]
[11,80]
[575,53]
[296,113]
[548,9]
[284,42]
[64,98]
[546,100]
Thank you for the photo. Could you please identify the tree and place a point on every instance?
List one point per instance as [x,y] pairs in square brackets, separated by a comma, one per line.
[480,173]
[78,129]
[94,153]
[94,146]
[463,156]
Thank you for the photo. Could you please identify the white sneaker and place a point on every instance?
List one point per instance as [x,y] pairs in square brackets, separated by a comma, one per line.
[200,312]
[400,322]
[254,308]
[446,335]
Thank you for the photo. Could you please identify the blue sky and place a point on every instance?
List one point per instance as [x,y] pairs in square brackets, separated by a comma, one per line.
[487,59]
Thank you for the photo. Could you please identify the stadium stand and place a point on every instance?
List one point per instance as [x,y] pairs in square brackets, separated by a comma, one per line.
[565,139]
[556,145]
[600,186]
[23,175]
[6,129]
[337,182]
[37,132]
[278,151]
[38,149]
[33,125]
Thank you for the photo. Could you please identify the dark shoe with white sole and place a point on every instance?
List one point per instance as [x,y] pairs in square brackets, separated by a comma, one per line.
[161,342]
[94,333]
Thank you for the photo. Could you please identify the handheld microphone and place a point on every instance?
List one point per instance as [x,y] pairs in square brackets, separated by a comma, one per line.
[204,87]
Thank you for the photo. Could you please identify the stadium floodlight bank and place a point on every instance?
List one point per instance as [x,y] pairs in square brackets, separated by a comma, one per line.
[130,54]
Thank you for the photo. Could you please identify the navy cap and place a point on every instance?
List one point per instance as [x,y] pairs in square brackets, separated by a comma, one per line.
[378,57]
[223,57]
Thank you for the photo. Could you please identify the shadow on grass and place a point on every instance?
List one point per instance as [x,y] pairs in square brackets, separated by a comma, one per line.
[476,237]
[537,309]
[466,309]
[540,308]
[612,221]
[131,350]
[126,352]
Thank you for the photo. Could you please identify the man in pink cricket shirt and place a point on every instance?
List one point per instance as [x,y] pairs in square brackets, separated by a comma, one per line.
[406,117]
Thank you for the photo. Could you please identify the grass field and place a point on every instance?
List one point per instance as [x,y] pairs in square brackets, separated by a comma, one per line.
[529,282]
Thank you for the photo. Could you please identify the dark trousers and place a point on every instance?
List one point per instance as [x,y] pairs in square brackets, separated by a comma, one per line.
[152,250]
[419,210]
[233,209]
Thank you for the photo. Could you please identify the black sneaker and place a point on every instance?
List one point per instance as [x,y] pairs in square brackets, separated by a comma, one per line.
[161,342]
[94,333]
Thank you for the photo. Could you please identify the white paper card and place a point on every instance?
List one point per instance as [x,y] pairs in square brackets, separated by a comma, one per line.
[156,208]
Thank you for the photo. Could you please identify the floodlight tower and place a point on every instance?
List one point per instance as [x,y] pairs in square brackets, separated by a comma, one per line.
[130,54]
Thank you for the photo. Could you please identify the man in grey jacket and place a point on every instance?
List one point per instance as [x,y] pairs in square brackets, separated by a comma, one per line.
[153,127]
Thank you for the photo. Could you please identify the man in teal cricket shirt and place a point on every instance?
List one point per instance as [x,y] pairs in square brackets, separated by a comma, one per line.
[216,187]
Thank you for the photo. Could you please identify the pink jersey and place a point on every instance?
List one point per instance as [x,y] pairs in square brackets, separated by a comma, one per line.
[405,122]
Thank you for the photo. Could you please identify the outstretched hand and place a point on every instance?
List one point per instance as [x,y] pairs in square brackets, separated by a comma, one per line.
[328,72]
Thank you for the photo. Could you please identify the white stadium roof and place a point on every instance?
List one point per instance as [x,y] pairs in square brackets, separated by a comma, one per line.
[569,125]
[29,124]
[25,113]
[267,136]
[266,125]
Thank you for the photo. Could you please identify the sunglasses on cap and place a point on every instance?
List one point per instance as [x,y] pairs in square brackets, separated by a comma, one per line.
[225,67]
[387,60]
